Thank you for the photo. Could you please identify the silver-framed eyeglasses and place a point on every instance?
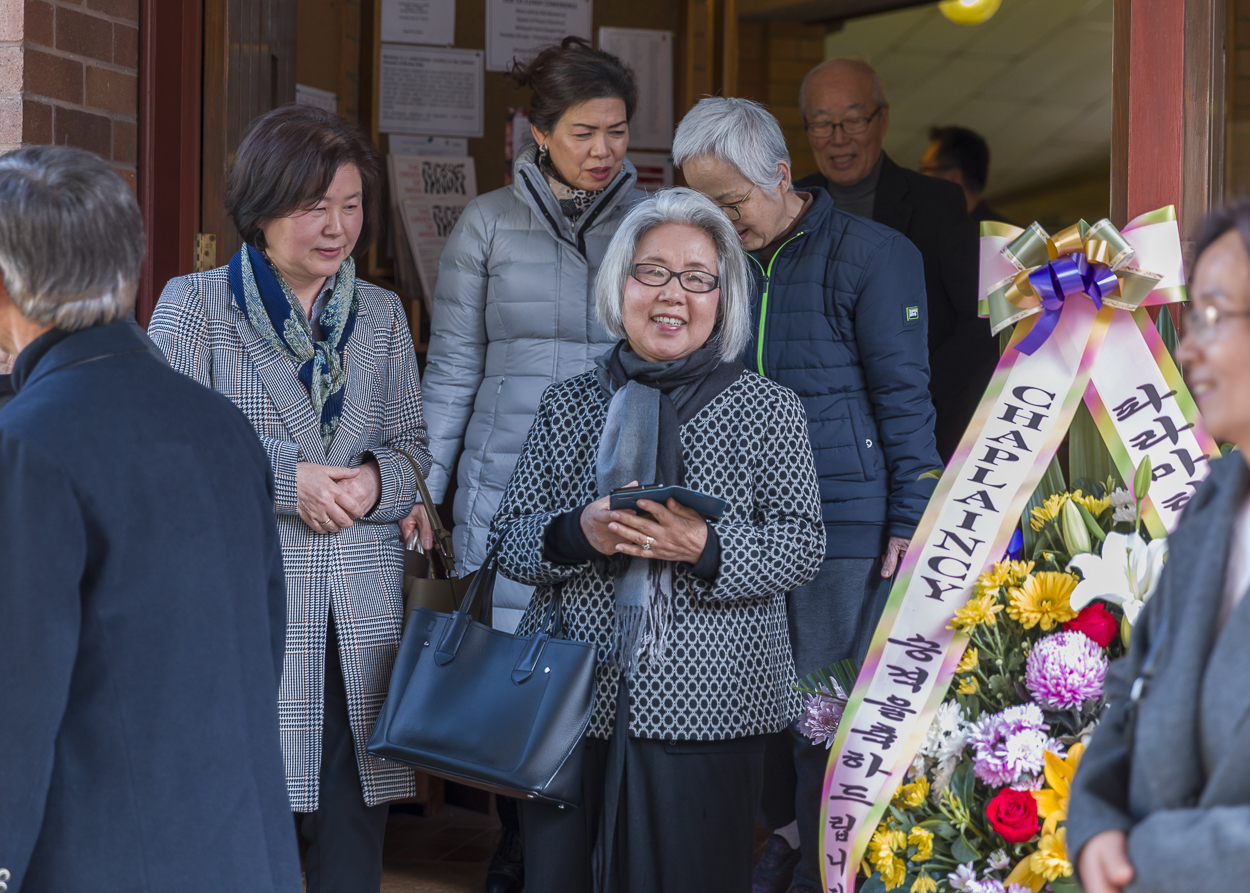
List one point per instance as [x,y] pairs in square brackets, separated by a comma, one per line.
[822,130]
[697,281]
[1202,320]
[731,211]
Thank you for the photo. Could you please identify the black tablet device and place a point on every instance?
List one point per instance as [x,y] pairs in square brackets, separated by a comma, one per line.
[709,507]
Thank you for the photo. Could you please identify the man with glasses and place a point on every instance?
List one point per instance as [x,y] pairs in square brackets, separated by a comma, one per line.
[846,116]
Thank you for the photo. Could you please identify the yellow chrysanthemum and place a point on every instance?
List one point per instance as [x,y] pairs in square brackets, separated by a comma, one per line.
[893,872]
[1052,802]
[1019,572]
[989,582]
[1051,858]
[1092,504]
[969,661]
[924,884]
[968,686]
[879,849]
[1043,600]
[1048,863]
[1047,511]
[977,612]
[922,840]
[914,794]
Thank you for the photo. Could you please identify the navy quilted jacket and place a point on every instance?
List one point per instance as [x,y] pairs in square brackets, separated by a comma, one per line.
[840,319]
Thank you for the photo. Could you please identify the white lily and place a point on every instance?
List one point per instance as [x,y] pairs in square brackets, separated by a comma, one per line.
[1126,573]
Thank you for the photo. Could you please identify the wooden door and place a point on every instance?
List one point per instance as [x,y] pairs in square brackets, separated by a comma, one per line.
[249,68]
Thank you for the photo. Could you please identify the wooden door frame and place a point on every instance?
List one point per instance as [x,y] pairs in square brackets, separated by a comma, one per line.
[170,35]
[1169,60]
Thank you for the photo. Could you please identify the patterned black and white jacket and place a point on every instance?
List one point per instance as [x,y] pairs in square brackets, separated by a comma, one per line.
[728,670]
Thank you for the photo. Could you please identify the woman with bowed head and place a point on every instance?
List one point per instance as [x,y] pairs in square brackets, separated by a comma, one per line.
[688,616]
[322,365]
[512,310]
[1161,801]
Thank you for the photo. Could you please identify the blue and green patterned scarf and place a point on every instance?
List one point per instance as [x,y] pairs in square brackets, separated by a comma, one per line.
[274,311]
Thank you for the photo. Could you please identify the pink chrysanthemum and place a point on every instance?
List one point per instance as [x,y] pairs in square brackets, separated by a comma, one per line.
[820,719]
[1009,744]
[1065,670]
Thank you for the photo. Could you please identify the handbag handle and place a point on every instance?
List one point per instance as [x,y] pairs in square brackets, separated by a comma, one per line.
[442,536]
[484,580]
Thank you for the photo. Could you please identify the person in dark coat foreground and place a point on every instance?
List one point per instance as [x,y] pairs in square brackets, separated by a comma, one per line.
[142,598]
[1161,800]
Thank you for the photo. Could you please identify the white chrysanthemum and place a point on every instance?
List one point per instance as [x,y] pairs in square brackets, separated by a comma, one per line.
[947,734]
[1125,508]
[942,774]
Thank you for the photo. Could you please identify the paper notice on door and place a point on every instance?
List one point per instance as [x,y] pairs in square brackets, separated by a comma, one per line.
[407,144]
[428,221]
[650,54]
[419,21]
[427,90]
[415,177]
[518,29]
[655,170]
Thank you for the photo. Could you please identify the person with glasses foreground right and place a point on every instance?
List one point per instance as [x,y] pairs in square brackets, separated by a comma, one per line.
[846,116]
[838,316]
[1161,801]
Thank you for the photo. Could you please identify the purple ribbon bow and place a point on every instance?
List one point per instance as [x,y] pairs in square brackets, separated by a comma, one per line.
[1054,283]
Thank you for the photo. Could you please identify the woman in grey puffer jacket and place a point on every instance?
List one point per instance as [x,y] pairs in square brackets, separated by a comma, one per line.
[512,312]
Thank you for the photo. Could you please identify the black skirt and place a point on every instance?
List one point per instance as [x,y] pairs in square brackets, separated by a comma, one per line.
[685,820]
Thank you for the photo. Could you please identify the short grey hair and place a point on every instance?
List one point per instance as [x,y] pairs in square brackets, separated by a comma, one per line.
[71,237]
[878,85]
[689,208]
[737,131]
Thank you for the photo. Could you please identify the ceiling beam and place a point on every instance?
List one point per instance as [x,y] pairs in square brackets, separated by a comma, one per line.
[814,11]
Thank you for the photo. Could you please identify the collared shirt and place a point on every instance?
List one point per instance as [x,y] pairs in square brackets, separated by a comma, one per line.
[319,306]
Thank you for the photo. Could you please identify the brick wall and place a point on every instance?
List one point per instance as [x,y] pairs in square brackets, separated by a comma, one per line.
[69,74]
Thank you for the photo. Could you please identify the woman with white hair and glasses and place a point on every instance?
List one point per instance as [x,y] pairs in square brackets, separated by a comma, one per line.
[838,314]
[689,615]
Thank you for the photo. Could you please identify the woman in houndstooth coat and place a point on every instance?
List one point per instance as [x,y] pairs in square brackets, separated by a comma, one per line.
[322,364]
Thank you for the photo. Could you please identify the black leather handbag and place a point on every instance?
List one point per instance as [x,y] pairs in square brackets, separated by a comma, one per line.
[500,712]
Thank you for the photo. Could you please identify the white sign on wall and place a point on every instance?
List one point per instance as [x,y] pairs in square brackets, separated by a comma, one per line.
[650,54]
[518,29]
[433,91]
[419,21]
[407,144]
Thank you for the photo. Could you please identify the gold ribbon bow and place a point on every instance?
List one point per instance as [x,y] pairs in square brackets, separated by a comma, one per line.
[1103,256]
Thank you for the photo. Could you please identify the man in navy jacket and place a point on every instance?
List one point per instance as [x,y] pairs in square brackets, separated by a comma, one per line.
[839,318]
[142,597]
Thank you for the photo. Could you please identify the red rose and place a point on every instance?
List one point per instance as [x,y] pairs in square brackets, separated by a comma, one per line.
[1096,622]
[1013,814]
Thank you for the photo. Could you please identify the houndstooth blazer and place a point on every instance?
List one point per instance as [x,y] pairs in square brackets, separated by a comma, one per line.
[727,672]
[358,570]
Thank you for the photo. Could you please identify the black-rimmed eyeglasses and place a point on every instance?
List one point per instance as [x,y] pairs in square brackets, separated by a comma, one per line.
[822,130]
[696,281]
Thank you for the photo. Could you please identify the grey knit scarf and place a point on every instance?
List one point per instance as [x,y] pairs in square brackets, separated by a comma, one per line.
[641,442]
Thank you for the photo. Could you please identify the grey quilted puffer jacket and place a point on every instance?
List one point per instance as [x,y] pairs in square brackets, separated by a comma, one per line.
[512,315]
